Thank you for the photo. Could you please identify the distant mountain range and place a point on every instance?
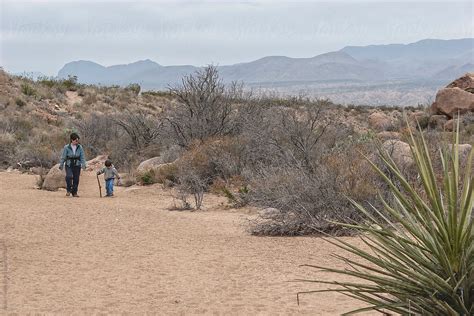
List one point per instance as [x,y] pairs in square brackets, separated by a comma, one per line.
[426,62]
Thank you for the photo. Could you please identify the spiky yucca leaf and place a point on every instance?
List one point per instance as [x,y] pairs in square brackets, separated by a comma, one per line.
[420,259]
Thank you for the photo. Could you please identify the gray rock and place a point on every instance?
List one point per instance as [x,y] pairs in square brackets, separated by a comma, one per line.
[55,179]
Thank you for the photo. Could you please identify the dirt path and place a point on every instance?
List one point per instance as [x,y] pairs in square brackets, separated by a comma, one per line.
[130,254]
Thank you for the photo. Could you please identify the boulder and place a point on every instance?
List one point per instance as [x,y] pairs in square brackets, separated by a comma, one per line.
[400,153]
[465,83]
[451,100]
[96,163]
[126,180]
[464,123]
[55,179]
[383,136]
[159,171]
[38,170]
[449,125]
[149,164]
[419,118]
[380,122]
[437,121]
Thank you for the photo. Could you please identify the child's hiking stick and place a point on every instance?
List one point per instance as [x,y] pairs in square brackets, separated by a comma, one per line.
[100,188]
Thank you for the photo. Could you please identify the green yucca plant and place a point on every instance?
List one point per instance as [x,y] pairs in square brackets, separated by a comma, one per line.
[420,250]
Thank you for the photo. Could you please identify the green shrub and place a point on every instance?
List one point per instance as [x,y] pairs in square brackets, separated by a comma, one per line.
[424,122]
[147,177]
[48,82]
[28,90]
[238,199]
[134,87]
[157,93]
[20,102]
[167,172]
[420,256]
[70,83]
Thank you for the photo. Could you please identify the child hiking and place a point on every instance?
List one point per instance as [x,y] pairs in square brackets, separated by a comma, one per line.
[110,173]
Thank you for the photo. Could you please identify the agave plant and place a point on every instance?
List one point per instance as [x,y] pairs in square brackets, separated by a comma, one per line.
[419,254]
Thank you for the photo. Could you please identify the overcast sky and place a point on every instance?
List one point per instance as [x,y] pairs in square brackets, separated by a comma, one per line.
[43,35]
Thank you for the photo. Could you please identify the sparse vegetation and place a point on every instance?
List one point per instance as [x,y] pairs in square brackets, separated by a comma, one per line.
[147,177]
[20,102]
[296,155]
[28,90]
[134,87]
[420,256]
[204,108]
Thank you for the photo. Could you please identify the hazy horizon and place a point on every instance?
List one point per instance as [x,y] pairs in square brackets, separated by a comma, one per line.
[43,35]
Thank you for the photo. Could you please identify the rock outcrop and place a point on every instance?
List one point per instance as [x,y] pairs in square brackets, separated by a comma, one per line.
[380,122]
[458,96]
[149,164]
[400,153]
[156,170]
[465,83]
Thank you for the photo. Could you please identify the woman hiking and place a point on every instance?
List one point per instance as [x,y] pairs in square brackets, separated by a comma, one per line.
[73,157]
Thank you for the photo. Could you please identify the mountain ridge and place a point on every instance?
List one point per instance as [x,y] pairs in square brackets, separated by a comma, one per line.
[419,60]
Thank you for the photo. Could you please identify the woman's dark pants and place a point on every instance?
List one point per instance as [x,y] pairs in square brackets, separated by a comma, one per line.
[72,178]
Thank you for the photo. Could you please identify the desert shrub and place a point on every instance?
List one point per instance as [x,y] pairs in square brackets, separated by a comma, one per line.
[163,94]
[89,98]
[81,92]
[20,102]
[215,158]
[47,81]
[123,156]
[424,122]
[420,258]
[70,83]
[97,132]
[167,173]
[191,182]
[134,88]
[27,89]
[202,164]
[7,148]
[20,127]
[282,156]
[141,128]
[350,169]
[237,199]
[204,108]
[40,149]
[182,198]
[306,202]
[171,153]
[147,177]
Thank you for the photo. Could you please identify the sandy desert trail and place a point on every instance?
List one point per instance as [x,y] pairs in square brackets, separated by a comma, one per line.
[131,255]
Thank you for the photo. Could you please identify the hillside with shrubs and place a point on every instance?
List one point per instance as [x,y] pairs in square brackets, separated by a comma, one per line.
[297,159]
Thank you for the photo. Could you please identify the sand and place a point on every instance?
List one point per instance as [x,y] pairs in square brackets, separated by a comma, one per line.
[131,255]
